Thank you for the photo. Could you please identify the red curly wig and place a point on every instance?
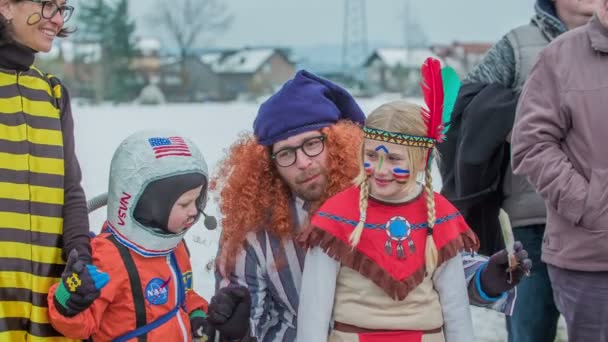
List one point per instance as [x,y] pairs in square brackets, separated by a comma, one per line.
[252,195]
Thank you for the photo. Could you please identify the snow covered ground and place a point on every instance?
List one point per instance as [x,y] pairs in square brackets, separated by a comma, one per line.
[213,127]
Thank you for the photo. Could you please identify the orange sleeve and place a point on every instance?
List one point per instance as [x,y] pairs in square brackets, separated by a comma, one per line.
[84,324]
[193,300]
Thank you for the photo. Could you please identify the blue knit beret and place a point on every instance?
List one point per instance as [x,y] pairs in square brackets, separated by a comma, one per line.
[305,103]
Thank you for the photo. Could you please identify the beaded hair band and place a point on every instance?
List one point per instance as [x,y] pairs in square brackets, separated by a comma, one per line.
[398,138]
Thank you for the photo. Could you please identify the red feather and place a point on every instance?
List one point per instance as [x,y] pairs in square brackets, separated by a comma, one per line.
[432,89]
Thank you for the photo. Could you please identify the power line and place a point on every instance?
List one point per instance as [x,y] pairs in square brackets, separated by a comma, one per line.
[354,40]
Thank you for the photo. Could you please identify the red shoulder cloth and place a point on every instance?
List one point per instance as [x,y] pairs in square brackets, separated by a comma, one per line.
[391,249]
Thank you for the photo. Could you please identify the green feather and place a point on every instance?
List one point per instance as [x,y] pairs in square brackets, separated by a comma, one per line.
[451,86]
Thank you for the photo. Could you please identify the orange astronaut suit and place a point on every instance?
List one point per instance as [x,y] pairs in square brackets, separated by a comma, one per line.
[159,278]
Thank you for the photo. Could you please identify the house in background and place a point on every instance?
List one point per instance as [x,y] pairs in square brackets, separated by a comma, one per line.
[222,75]
[197,83]
[147,62]
[395,70]
[253,71]
[82,69]
[462,56]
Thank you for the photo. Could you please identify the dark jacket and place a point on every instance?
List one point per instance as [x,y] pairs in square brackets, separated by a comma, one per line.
[475,155]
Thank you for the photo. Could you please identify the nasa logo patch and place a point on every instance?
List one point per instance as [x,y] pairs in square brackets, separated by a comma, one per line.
[157,291]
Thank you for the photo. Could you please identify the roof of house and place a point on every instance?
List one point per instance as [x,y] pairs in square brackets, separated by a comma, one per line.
[475,48]
[244,61]
[212,58]
[392,57]
[148,46]
[469,48]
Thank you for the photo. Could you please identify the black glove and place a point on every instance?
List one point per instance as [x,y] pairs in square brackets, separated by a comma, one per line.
[229,312]
[495,277]
[80,285]
[201,328]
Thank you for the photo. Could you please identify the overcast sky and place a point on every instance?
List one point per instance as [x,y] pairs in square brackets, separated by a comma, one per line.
[313,22]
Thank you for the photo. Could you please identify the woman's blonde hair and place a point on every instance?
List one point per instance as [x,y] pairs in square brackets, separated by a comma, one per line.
[405,118]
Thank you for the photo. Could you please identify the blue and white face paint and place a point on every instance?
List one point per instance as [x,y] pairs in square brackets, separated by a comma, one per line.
[387,168]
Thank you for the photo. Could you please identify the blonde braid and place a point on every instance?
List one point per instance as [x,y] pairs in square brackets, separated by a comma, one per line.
[363,185]
[431,254]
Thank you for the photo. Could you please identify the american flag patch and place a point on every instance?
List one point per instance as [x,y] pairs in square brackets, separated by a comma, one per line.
[171,146]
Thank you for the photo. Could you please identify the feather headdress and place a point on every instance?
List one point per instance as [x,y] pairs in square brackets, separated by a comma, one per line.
[432,89]
[440,89]
[451,87]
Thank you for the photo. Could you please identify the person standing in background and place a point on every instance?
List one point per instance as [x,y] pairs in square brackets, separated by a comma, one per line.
[504,70]
[558,144]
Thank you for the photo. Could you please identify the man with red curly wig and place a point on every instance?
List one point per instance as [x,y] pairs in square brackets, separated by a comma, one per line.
[304,149]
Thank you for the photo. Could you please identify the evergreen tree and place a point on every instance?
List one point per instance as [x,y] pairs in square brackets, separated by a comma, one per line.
[106,24]
[93,17]
[121,51]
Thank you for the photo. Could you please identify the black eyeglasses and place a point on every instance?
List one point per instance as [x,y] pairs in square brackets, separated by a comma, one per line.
[311,147]
[50,9]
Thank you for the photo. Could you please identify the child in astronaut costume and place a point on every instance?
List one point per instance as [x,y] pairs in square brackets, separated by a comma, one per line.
[140,284]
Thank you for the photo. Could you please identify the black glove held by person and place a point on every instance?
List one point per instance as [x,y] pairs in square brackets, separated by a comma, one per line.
[229,313]
[495,276]
[80,285]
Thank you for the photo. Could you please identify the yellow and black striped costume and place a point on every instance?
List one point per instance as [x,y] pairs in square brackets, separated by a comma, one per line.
[32,196]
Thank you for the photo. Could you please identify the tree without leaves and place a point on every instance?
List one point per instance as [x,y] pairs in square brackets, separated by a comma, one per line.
[188,22]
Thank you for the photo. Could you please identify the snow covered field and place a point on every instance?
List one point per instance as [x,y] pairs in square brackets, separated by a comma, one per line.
[213,127]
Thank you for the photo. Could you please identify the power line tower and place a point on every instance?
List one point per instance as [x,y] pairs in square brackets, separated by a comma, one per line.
[406,29]
[354,40]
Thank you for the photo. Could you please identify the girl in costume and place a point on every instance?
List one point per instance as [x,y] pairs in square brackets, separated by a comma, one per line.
[384,262]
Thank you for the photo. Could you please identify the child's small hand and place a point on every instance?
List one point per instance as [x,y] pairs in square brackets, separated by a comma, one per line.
[80,285]
[201,328]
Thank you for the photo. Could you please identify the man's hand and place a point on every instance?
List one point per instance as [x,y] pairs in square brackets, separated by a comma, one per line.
[80,285]
[495,277]
[229,312]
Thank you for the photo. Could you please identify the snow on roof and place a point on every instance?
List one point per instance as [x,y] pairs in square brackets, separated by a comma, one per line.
[412,58]
[243,61]
[212,58]
[148,45]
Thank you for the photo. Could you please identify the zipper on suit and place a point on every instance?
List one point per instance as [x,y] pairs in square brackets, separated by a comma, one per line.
[177,278]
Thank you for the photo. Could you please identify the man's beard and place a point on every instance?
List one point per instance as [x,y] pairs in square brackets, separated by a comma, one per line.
[311,192]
